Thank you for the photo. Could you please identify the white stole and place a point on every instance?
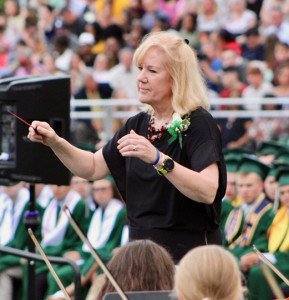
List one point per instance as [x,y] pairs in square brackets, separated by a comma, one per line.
[53,232]
[11,218]
[100,227]
[45,195]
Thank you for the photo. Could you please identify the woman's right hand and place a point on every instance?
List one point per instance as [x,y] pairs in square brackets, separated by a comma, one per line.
[42,133]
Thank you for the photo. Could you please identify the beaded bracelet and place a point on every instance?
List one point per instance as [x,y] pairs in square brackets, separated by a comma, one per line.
[158,157]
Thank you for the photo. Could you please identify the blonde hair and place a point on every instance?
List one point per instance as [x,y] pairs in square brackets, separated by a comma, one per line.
[208,272]
[188,85]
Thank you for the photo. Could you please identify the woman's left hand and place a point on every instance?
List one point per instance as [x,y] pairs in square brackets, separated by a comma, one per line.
[134,145]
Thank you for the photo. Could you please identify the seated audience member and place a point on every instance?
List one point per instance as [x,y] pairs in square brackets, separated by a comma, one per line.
[208,272]
[140,265]
[57,235]
[13,233]
[282,87]
[104,233]
[188,29]
[230,81]
[278,245]
[278,26]
[257,87]
[239,18]
[253,48]
[123,75]
[210,64]
[280,58]
[248,224]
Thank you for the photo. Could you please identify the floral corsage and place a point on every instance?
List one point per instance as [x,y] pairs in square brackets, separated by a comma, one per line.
[177,127]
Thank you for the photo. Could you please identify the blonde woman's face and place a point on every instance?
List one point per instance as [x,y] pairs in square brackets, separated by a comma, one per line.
[153,80]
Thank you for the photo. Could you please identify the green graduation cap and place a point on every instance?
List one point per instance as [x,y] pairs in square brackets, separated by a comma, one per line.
[237,152]
[283,156]
[86,146]
[251,163]
[232,161]
[275,165]
[270,147]
[282,176]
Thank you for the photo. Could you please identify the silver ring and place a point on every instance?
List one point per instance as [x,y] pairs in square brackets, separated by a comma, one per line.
[134,148]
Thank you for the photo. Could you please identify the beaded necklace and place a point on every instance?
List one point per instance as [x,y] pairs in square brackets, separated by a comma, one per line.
[153,132]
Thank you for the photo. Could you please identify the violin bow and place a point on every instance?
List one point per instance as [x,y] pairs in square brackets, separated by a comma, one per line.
[93,252]
[49,265]
[275,288]
[266,260]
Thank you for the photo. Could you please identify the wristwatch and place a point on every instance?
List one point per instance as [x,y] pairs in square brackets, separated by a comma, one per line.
[167,166]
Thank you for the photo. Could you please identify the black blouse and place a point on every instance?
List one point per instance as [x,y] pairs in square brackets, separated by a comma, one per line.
[153,203]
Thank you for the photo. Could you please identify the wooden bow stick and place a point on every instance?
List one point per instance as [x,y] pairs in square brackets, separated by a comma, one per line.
[276,270]
[49,265]
[95,255]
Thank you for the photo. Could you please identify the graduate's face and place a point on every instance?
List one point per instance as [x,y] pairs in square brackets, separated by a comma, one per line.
[270,187]
[60,191]
[153,81]
[249,186]
[231,186]
[102,192]
[284,195]
[80,185]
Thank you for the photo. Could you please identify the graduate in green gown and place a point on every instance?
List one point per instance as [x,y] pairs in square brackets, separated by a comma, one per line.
[278,244]
[57,235]
[104,233]
[13,233]
[248,224]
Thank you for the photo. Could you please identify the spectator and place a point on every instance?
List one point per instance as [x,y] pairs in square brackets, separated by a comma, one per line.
[281,57]
[152,12]
[211,65]
[253,48]
[86,43]
[106,27]
[208,272]
[266,129]
[173,9]
[46,24]
[234,130]
[282,88]
[188,29]
[64,53]
[257,87]
[208,16]
[278,26]
[268,5]
[72,20]
[227,41]
[230,81]
[123,75]
[239,19]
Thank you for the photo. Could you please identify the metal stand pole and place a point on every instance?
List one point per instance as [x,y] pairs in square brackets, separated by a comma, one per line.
[31,220]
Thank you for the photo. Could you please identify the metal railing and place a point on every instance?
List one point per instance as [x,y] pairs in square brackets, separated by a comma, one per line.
[52,259]
[110,110]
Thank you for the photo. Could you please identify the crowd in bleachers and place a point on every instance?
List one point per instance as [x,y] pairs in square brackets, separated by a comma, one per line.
[242,46]
[243,51]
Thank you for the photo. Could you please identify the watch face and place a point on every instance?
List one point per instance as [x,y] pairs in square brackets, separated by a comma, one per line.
[169,164]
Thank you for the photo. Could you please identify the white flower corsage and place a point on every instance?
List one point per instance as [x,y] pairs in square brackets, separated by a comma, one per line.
[177,127]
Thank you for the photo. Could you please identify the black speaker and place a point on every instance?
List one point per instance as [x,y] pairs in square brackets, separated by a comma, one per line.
[44,98]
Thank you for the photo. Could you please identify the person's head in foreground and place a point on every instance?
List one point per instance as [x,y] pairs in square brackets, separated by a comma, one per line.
[208,272]
[141,265]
